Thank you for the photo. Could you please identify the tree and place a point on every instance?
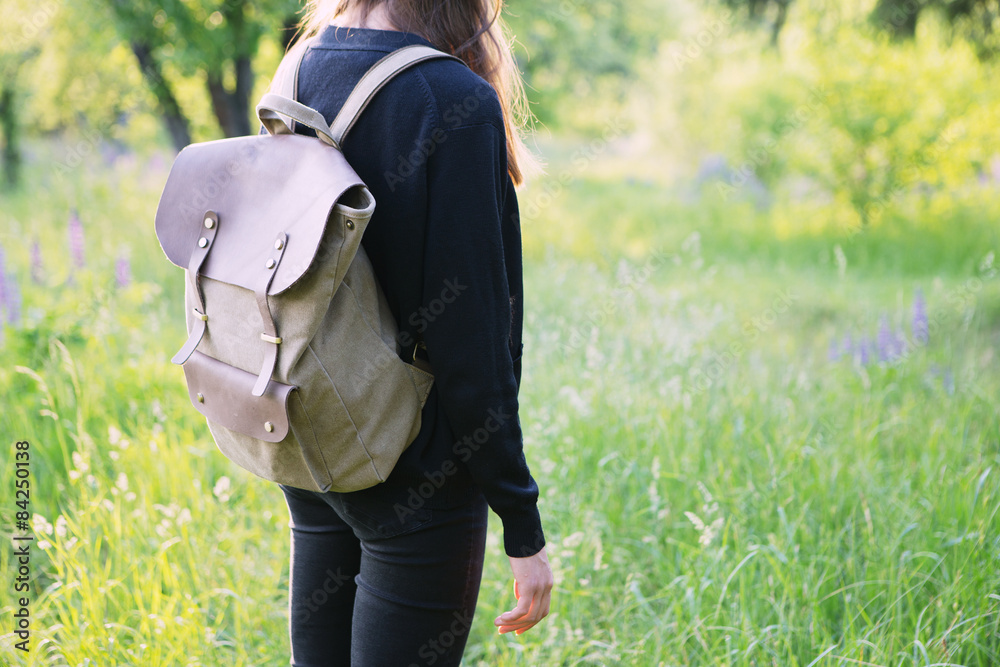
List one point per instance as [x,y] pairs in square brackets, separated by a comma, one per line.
[572,49]
[773,12]
[217,40]
[20,43]
[977,21]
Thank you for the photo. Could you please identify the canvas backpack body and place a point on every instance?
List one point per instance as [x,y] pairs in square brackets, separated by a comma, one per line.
[292,353]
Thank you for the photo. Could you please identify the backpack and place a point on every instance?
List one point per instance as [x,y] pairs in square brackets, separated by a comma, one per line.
[292,353]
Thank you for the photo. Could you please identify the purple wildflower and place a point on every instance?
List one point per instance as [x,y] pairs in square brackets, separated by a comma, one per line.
[834,353]
[4,289]
[886,344]
[864,351]
[123,271]
[848,349]
[37,270]
[12,300]
[920,333]
[76,239]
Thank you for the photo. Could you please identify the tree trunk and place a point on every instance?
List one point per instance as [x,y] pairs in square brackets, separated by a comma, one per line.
[232,107]
[244,88]
[898,17]
[11,144]
[779,22]
[288,31]
[173,117]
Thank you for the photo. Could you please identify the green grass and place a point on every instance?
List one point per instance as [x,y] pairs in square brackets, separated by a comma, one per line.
[715,491]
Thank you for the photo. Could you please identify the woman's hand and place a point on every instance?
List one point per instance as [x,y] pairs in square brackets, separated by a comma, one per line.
[532,588]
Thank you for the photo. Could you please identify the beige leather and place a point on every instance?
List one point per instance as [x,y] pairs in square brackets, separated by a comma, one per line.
[258,186]
[372,82]
[219,391]
[292,353]
[272,107]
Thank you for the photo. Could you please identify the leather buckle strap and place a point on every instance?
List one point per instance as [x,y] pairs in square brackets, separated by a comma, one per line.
[270,333]
[198,256]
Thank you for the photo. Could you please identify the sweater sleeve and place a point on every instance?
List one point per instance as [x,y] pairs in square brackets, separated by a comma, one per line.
[466,324]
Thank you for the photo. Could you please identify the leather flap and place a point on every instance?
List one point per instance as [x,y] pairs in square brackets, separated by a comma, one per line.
[260,187]
[223,394]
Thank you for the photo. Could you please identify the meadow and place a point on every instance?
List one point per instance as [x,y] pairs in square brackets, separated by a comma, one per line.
[761,438]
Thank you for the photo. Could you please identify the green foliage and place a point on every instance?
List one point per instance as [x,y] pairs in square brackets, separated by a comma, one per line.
[975,21]
[573,50]
[755,12]
[885,138]
[886,129]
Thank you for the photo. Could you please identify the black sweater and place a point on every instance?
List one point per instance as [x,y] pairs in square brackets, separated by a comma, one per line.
[446,247]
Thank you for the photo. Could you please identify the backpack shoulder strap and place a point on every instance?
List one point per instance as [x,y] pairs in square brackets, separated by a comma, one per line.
[286,79]
[373,80]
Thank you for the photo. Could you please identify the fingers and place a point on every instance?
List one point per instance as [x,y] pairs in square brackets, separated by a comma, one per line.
[516,617]
[532,607]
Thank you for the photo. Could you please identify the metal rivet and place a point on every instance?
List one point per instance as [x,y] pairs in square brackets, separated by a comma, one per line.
[209,223]
[270,264]
[202,242]
[201,398]
[268,426]
[350,224]
[278,245]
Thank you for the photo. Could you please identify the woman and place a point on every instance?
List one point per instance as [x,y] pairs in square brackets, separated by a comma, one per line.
[390,575]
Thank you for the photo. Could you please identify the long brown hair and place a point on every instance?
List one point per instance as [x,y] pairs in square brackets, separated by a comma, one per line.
[470,29]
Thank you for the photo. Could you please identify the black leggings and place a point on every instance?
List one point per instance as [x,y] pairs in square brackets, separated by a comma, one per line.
[371,586]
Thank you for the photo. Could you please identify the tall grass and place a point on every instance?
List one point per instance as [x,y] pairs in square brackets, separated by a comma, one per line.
[715,490]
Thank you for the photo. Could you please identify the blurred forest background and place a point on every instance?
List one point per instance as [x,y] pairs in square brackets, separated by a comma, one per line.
[761,378]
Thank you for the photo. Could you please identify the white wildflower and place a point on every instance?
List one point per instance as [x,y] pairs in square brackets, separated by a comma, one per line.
[222,487]
[41,525]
